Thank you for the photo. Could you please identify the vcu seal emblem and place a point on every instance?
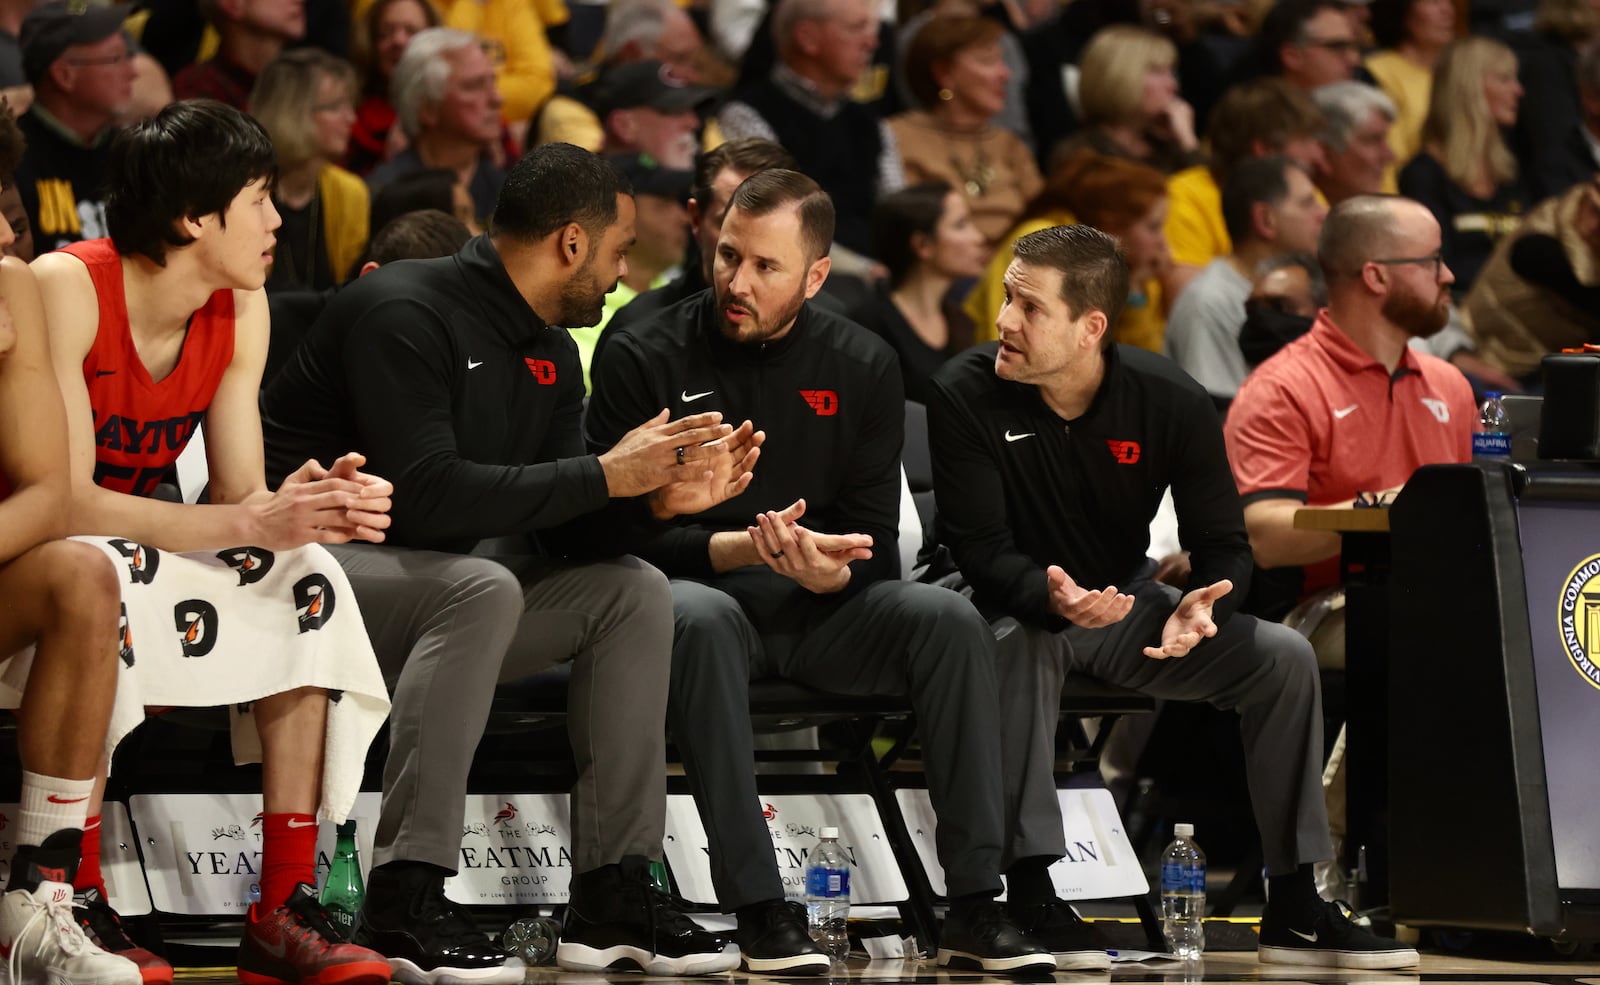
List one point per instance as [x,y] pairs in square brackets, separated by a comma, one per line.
[1580,619]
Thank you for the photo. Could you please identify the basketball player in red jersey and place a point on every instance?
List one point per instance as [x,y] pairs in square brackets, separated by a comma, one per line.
[61,599]
[152,330]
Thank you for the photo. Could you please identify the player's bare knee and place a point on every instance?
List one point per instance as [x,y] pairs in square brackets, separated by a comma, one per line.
[83,585]
[81,574]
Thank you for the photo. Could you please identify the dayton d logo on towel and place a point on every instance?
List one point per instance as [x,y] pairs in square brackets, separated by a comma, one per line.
[313,597]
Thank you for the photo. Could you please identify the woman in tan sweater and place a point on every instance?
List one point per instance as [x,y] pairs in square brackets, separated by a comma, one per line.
[955,68]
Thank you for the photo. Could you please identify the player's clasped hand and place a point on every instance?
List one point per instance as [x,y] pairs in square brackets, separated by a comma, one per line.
[326,506]
[660,451]
[1190,622]
[1089,608]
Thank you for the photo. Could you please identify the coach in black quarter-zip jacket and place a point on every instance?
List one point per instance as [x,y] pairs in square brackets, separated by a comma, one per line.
[761,589]
[1051,451]
[471,399]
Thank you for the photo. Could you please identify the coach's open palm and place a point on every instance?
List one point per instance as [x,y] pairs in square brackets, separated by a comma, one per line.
[1190,622]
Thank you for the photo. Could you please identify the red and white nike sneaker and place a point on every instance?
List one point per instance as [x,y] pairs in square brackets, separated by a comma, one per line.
[103,926]
[40,942]
[297,943]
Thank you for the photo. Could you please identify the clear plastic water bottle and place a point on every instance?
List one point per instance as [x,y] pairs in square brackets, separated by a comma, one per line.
[531,939]
[828,895]
[1491,440]
[1183,894]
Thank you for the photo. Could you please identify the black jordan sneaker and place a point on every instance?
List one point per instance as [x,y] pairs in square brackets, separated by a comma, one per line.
[617,921]
[430,939]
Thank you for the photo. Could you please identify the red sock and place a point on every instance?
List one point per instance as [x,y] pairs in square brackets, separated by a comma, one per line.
[89,876]
[288,856]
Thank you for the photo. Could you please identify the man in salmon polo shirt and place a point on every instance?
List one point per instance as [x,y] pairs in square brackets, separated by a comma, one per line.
[1350,407]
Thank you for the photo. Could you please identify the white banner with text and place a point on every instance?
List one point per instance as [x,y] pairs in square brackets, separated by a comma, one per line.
[1100,862]
[793,821]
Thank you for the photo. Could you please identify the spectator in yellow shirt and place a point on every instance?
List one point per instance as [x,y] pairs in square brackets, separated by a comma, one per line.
[1267,116]
[1411,34]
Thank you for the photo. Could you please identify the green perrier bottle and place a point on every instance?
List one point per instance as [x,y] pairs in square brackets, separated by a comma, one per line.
[344,891]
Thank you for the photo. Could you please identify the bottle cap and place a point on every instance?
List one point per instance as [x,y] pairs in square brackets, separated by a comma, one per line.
[829,832]
[1491,394]
[1183,831]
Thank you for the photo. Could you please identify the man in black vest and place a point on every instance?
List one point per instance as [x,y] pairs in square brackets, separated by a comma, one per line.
[805,105]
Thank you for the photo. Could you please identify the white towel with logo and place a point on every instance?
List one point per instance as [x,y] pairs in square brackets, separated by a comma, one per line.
[209,628]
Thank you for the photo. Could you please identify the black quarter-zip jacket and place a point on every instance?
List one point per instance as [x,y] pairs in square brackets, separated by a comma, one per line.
[454,389]
[828,394]
[1019,489]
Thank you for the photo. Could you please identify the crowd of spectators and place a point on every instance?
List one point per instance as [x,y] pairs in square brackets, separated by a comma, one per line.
[998,101]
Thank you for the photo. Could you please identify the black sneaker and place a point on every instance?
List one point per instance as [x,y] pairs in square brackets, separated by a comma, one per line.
[617,921]
[430,939]
[1332,940]
[104,927]
[777,938]
[985,938]
[1056,927]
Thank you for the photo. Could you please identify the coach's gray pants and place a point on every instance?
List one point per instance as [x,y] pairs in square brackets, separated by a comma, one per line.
[1264,671]
[448,627]
[892,638]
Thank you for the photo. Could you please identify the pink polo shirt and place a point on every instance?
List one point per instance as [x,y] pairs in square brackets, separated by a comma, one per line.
[1322,420]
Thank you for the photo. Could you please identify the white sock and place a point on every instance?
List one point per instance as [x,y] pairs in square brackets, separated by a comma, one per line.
[50,804]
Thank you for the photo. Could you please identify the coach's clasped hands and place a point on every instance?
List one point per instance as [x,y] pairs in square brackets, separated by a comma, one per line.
[816,562]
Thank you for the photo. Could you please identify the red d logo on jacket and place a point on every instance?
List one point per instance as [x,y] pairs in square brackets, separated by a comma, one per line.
[1126,452]
[543,370]
[824,402]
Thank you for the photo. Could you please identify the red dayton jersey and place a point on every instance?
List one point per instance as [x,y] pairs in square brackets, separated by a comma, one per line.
[141,425]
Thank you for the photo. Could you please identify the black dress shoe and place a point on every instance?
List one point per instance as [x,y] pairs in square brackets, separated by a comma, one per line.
[1056,927]
[778,939]
[986,938]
